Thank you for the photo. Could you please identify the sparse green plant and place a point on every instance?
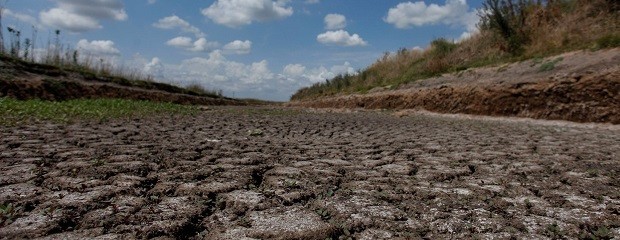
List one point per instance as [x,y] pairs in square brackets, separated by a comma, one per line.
[98,162]
[549,65]
[553,231]
[323,213]
[528,204]
[255,132]
[290,183]
[592,173]
[607,41]
[8,213]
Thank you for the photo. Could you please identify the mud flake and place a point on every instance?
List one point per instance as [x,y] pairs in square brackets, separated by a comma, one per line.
[333,162]
[17,173]
[18,192]
[288,223]
[370,234]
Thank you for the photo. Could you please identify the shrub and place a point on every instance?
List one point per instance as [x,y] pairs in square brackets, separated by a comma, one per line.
[508,19]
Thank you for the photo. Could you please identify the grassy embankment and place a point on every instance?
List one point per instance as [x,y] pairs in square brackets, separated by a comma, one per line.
[58,59]
[509,31]
[15,112]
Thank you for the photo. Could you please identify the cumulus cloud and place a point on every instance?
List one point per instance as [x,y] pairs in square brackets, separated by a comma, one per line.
[216,72]
[238,47]
[152,1]
[304,77]
[235,13]
[82,15]
[312,1]
[454,12]
[173,22]
[335,21]
[254,80]
[98,47]
[188,44]
[22,17]
[155,68]
[294,70]
[341,38]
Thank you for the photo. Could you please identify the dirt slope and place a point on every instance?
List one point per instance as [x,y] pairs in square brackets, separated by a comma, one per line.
[24,80]
[579,86]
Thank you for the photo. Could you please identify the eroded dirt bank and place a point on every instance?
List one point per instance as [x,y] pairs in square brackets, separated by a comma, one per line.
[25,80]
[579,86]
[264,173]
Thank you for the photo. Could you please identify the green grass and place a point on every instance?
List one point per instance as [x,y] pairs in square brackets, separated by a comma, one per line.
[15,112]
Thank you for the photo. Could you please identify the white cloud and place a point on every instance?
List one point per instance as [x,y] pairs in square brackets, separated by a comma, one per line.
[82,15]
[408,14]
[180,42]
[341,38]
[294,70]
[98,47]
[63,19]
[312,1]
[235,13]
[155,68]
[335,21]
[188,44]
[152,1]
[218,72]
[304,77]
[254,80]
[174,21]
[238,47]
[22,17]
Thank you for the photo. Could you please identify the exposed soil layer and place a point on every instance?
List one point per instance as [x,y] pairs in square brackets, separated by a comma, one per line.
[24,80]
[579,86]
[269,173]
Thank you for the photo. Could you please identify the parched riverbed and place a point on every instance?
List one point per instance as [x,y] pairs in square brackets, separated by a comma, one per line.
[245,173]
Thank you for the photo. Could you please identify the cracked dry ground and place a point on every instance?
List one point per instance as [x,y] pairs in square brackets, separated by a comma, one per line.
[309,175]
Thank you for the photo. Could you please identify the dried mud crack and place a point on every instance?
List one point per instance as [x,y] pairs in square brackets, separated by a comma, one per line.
[278,173]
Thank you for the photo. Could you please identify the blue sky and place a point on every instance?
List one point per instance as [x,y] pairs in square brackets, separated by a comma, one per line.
[263,49]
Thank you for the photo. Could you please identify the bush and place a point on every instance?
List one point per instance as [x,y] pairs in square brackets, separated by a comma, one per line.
[508,18]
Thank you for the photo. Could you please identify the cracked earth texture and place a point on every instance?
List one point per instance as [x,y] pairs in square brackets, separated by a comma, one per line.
[277,173]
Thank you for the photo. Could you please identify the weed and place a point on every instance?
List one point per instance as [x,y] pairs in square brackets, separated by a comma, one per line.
[536,61]
[8,213]
[549,65]
[98,162]
[592,173]
[553,231]
[289,183]
[255,132]
[323,213]
[607,41]
[601,233]
[528,204]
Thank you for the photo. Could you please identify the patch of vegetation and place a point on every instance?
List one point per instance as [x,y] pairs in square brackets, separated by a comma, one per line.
[509,31]
[553,231]
[8,213]
[600,233]
[255,132]
[323,213]
[549,65]
[15,112]
[608,41]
